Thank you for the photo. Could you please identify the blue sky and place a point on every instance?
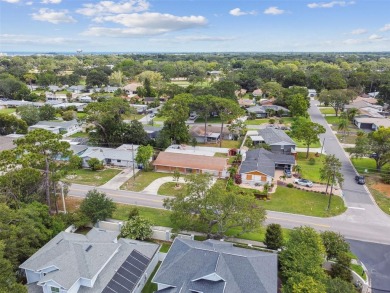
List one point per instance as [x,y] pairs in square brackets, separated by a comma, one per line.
[194,25]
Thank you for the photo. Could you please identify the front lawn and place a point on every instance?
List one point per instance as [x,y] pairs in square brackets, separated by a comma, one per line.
[311,172]
[79,134]
[257,121]
[362,164]
[143,179]
[170,189]
[358,269]
[332,119]
[296,201]
[256,236]
[209,120]
[89,177]
[7,110]
[327,111]
[158,217]
[81,115]
[301,144]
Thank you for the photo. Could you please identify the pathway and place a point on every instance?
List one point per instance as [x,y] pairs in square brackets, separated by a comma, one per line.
[117,181]
[153,187]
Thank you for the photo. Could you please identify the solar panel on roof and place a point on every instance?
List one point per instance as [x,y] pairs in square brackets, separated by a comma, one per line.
[128,275]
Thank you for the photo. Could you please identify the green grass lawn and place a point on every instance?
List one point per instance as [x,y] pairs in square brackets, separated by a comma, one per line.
[220,155]
[332,119]
[89,177]
[158,217]
[143,179]
[295,201]
[256,236]
[359,270]
[169,188]
[7,110]
[381,199]
[257,121]
[133,116]
[183,83]
[165,247]
[79,134]
[311,172]
[362,164]
[209,120]
[301,144]
[349,139]
[327,111]
[159,119]
[149,286]
[81,115]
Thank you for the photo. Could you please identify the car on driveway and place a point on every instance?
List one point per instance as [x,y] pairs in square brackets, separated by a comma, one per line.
[303,182]
[360,179]
[287,173]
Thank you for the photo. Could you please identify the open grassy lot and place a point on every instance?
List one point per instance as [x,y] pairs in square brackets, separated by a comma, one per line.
[295,201]
[285,120]
[89,177]
[159,119]
[182,83]
[327,110]
[311,172]
[381,195]
[158,217]
[256,236]
[170,189]
[142,179]
[362,164]
[79,134]
[7,110]
[348,139]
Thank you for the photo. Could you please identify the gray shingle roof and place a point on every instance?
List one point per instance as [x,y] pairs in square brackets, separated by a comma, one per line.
[108,153]
[216,267]
[263,109]
[275,136]
[62,124]
[264,161]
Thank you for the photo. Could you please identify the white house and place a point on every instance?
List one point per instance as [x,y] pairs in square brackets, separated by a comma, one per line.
[67,128]
[95,262]
[50,97]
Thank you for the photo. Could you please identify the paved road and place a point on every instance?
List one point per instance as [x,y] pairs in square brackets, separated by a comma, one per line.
[376,258]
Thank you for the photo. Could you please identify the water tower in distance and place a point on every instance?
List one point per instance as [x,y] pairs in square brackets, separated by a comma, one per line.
[79,51]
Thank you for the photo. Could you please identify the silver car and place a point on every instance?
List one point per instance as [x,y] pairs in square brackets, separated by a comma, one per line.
[303,182]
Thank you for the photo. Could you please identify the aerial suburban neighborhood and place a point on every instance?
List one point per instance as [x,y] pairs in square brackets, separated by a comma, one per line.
[194,146]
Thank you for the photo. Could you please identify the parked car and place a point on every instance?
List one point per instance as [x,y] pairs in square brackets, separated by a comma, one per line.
[303,182]
[373,156]
[152,115]
[287,173]
[360,179]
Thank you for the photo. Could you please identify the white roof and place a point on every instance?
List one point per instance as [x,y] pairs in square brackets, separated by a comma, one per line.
[257,138]
[377,121]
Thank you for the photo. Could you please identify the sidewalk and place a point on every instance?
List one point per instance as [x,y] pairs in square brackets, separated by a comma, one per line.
[153,187]
[120,179]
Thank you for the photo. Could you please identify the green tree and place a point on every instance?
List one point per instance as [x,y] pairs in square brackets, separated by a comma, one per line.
[95,164]
[97,77]
[137,228]
[351,113]
[342,267]
[337,285]
[28,113]
[337,99]
[40,149]
[237,128]
[272,89]
[214,210]
[298,105]
[306,131]
[331,173]
[11,124]
[68,115]
[303,253]
[377,143]
[135,133]
[334,243]
[204,105]
[144,153]
[47,112]
[176,176]
[300,283]
[274,237]
[226,89]
[8,283]
[97,206]
[343,126]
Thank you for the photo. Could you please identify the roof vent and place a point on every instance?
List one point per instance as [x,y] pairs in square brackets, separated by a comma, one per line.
[88,248]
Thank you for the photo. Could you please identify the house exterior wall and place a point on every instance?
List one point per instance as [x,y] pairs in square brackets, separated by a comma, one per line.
[32,276]
[120,163]
[169,169]
[285,149]
[255,177]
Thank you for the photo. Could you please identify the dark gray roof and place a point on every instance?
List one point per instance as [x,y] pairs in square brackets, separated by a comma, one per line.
[59,123]
[264,161]
[275,136]
[275,108]
[263,109]
[216,267]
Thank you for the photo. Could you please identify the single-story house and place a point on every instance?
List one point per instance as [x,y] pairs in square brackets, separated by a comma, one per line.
[359,104]
[18,103]
[152,131]
[261,111]
[277,139]
[371,123]
[139,108]
[54,88]
[85,99]
[213,133]
[258,166]
[95,262]
[77,89]
[246,103]
[190,164]
[131,88]
[65,127]
[216,266]
[79,106]
[62,98]
[121,157]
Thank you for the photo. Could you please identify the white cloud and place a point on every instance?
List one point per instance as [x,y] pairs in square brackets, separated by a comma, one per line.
[204,38]
[359,31]
[11,1]
[29,3]
[51,1]
[353,41]
[239,12]
[111,7]
[52,16]
[330,4]
[375,37]
[274,11]
[385,28]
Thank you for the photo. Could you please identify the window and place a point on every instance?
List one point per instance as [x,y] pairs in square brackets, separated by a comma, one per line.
[118,161]
[55,290]
[248,177]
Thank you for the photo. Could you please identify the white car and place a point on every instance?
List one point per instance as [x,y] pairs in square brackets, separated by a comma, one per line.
[303,182]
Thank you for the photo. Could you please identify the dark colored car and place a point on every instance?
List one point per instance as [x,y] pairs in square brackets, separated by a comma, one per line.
[360,180]
[287,173]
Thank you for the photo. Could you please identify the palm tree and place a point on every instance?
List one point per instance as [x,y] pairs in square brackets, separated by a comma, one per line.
[352,113]
[232,171]
[343,125]
[297,169]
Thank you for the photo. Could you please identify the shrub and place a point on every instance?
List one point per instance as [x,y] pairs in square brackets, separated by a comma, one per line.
[312,161]
[97,206]
[290,185]
[134,212]
[238,179]
[95,164]
[341,269]
[137,228]
[68,115]
[271,121]
[273,237]
[76,162]
[385,178]
[281,121]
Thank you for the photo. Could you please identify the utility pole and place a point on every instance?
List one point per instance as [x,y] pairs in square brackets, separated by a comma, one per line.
[132,154]
[322,147]
[62,195]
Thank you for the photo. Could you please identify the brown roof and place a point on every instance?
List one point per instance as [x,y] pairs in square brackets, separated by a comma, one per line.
[190,161]
[199,130]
